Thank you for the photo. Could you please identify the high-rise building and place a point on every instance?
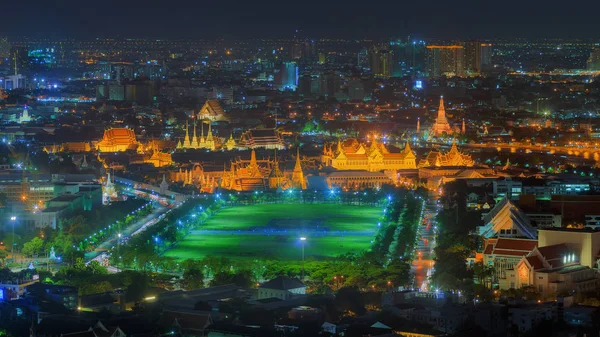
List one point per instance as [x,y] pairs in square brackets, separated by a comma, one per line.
[19,60]
[381,62]
[472,54]
[478,57]
[486,56]
[362,60]
[4,49]
[593,62]
[445,60]
[288,73]
[408,58]
[330,84]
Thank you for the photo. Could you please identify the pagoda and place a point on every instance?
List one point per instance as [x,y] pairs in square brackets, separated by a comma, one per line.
[441,124]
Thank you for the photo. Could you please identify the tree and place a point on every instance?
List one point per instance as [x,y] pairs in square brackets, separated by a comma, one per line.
[95,268]
[193,279]
[483,273]
[33,247]
[3,256]
[350,299]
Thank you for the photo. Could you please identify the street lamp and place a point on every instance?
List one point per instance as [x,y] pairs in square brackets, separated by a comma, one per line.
[118,250]
[302,241]
[13,219]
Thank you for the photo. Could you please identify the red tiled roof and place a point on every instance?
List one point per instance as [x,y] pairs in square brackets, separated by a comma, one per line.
[554,252]
[535,262]
[489,248]
[509,252]
[516,244]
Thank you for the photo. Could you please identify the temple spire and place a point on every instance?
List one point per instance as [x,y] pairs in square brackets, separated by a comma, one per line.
[339,146]
[441,109]
[418,124]
[298,165]
[209,137]
[297,175]
[195,138]
[464,128]
[201,132]
[186,140]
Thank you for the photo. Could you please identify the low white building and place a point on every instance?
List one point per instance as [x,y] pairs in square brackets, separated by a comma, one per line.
[281,287]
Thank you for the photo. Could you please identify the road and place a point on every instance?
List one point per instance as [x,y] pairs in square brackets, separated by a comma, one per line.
[133,229]
[423,264]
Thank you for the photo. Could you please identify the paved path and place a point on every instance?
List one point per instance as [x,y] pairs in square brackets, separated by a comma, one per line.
[133,229]
[423,263]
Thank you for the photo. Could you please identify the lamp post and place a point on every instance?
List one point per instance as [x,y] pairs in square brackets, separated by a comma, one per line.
[118,250]
[13,219]
[302,241]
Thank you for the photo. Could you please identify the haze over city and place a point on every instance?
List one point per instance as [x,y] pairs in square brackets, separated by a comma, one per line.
[185,168]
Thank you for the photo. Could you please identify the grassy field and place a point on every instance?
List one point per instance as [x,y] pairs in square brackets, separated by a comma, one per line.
[274,231]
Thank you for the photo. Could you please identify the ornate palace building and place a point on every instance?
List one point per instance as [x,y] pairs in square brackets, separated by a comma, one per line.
[261,138]
[207,182]
[352,155]
[212,111]
[263,174]
[452,158]
[195,143]
[243,175]
[441,125]
[117,140]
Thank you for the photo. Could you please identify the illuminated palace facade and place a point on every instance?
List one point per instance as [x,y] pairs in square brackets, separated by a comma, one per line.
[454,157]
[352,155]
[244,175]
[117,140]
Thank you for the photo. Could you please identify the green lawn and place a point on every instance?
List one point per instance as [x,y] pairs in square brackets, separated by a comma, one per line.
[274,231]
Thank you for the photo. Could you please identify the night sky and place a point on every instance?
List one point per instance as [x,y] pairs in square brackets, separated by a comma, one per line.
[197,19]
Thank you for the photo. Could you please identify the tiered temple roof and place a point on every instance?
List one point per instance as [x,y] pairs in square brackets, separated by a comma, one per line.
[212,110]
[452,158]
[261,138]
[116,140]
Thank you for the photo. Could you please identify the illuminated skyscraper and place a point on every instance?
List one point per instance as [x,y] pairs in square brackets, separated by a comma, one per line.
[445,60]
[362,59]
[486,56]
[593,62]
[288,73]
[478,57]
[381,62]
[408,58]
[4,49]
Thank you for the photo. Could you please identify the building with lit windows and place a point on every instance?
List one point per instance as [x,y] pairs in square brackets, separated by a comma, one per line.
[593,62]
[381,61]
[288,74]
[445,61]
